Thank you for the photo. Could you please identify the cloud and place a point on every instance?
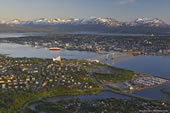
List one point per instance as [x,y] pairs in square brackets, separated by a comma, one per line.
[120,2]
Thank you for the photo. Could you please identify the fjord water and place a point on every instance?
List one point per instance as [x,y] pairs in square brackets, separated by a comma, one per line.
[7,35]
[18,50]
[155,65]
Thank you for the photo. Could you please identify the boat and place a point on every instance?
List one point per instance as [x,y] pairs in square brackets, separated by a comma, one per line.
[55,49]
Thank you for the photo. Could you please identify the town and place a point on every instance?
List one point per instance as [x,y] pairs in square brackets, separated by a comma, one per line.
[146,45]
[84,56]
[34,78]
[35,74]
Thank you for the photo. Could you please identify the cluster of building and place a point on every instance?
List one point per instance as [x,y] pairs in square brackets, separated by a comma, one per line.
[34,74]
[24,83]
[16,73]
[148,45]
[107,105]
[150,81]
[66,75]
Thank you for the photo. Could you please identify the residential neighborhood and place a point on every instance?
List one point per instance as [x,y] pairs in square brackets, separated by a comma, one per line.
[37,79]
[28,74]
[108,105]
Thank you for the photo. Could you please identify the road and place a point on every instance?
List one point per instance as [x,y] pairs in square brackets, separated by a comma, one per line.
[39,74]
[106,88]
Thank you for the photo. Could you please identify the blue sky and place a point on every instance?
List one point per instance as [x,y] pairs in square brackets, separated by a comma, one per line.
[123,10]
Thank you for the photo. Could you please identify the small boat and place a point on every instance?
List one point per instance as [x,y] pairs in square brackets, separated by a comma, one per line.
[55,49]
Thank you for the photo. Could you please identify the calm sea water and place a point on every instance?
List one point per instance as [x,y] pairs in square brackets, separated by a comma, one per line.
[17,50]
[156,65]
[7,35]
[108,34]
[101,95]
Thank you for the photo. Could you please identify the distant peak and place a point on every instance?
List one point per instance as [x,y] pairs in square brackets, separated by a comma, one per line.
[149,21]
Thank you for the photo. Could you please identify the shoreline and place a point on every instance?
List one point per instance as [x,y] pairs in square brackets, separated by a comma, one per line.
[93,51]
[145,88]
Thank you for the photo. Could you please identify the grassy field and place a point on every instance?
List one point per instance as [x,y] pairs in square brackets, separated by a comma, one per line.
[120,75]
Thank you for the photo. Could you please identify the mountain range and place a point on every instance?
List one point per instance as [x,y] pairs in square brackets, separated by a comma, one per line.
[91,24]
[88,21]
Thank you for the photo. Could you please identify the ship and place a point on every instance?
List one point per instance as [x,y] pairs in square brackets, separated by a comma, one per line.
[54,49]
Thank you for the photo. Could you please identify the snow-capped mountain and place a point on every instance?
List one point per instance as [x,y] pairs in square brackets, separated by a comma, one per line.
[145,21]
[14,21]
[83,21]
[91,24]
[93,20]
[87,21]
[40,21]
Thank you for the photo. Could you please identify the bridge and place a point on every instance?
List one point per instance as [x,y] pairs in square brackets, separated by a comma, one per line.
[115,57]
